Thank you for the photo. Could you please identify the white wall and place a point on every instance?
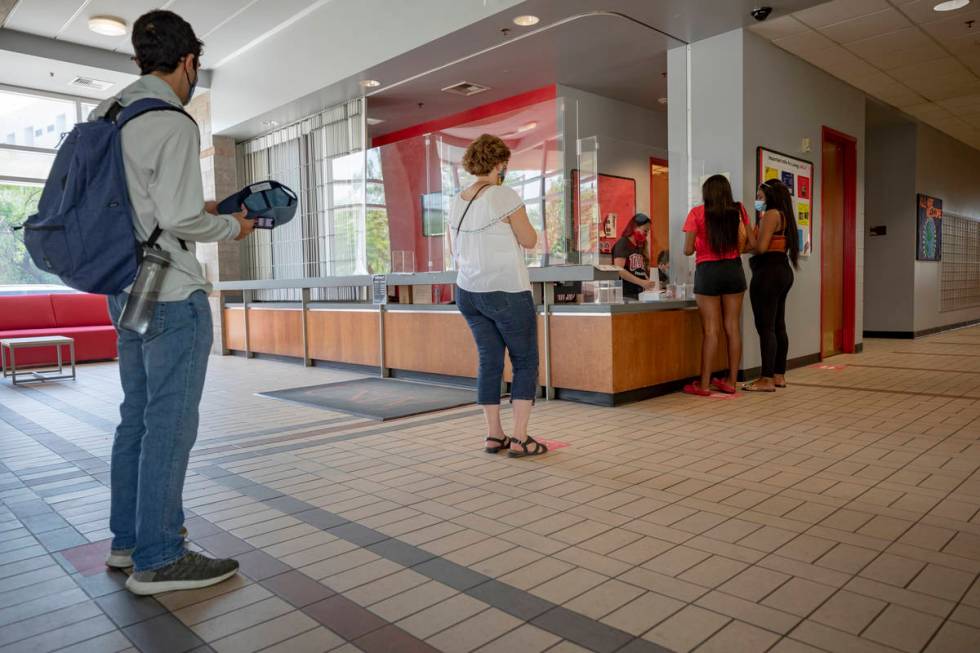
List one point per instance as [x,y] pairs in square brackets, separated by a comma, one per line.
[745,92]
[786,100]
[337,39]
[950,170]
[889,271]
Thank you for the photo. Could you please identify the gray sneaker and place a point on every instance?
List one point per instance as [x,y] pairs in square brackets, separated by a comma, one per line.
[123,558]
[191,572]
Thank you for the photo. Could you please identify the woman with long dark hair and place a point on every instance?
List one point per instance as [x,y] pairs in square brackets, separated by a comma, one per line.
[631,256]
[777,253]
[716,231]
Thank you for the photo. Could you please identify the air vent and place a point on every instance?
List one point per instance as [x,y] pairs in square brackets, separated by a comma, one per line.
[466,89]
[92,84]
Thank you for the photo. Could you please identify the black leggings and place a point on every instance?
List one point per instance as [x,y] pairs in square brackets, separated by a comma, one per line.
[772,277]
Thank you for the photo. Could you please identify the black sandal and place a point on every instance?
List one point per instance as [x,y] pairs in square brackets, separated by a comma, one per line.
[537,451]
[504,443]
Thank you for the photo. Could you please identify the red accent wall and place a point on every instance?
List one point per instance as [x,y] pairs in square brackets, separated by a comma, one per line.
[403,164]
[470,115]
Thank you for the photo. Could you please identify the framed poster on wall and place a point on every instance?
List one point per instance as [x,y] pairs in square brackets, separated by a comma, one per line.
[617,206]
[929,228]
[797,174]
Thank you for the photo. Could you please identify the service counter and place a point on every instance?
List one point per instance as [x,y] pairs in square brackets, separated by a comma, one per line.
[595,353]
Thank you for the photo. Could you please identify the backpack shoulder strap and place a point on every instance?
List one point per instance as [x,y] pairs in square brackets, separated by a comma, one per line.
[147,105]
[120,115]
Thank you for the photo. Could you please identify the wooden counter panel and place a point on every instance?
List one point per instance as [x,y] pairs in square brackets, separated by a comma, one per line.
[581,352]
[343,337]
[234,329]
[654,348]
[429,342]
[278,332]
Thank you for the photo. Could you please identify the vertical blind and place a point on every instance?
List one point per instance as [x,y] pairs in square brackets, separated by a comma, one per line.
[321,158]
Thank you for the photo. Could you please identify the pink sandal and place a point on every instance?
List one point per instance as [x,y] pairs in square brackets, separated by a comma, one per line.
[696,390]
[722,386]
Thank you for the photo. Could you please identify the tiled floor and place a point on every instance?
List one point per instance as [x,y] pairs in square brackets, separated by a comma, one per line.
[842,514]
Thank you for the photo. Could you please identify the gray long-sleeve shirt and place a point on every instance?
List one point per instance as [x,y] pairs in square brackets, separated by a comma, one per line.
[162,156]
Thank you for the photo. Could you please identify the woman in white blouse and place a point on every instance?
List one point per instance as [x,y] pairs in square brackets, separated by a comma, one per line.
[490,231]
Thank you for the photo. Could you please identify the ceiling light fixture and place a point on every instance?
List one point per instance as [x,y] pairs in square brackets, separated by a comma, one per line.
[370,83]
[528,127]
[107,25]
[527,20]
[951,5]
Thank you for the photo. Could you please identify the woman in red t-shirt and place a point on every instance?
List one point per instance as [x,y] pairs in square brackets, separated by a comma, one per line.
[717,232]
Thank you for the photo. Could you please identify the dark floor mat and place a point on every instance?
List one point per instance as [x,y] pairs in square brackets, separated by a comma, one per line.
[378,399]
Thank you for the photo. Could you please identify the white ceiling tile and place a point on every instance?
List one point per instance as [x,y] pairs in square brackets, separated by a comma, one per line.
[839,10]
[776,27]
[809,41]
[205,16]
[891,60]
[244,28]
[967,103]
[901,40]
[44,17]
[856,29]
[922,12]
[831,57]
[963,46]
[898,95]
[856,71]
[936,90]
[945,67]
[952,28]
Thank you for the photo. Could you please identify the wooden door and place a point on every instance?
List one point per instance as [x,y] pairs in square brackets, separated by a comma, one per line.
[832,242]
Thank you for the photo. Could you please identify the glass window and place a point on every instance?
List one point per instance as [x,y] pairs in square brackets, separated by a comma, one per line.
[17,201]
[87,108]
[31,114]
[25,165]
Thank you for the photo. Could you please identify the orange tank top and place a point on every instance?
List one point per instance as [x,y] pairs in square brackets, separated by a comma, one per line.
[778,241]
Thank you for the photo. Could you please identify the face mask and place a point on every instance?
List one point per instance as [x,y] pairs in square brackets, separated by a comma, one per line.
[760,206]
[500,176]
[639,237]
[191,85]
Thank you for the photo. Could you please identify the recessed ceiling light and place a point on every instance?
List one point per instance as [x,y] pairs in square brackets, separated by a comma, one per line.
[951,5]
[107,25]
[370,83]
[527,20]
[662,100]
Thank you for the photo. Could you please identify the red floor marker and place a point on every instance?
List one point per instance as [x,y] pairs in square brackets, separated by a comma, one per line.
[554,444]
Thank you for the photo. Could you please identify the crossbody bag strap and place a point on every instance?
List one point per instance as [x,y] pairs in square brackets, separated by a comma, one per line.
[466,210]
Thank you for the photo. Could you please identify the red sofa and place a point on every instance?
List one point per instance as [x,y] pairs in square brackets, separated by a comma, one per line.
[80,316]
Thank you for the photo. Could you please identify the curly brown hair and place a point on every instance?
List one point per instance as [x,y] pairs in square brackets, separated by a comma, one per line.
[484,154]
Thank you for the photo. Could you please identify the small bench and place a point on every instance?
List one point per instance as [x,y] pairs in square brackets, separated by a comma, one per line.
[9,347]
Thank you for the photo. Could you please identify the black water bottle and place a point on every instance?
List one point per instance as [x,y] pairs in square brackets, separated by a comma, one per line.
[142,301]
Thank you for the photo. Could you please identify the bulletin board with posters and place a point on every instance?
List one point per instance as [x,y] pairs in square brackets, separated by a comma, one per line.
[797,174]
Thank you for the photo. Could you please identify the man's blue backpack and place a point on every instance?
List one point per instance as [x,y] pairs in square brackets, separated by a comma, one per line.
[83,229]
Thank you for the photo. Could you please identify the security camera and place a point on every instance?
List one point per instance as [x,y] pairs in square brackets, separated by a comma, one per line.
[761,13]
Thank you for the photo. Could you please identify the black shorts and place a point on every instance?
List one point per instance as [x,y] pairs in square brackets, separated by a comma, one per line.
[715,278]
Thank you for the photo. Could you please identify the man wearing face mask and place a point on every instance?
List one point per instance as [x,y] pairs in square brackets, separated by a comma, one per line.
[163,370]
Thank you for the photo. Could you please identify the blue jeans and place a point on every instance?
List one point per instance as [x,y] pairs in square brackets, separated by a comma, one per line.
[162,376]
[499,320]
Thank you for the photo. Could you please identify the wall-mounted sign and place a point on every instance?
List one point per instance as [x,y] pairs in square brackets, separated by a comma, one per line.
[797,174]
[379,289]
[929,228]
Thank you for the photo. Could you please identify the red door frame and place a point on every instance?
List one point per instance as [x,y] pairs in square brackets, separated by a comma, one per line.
[848,144]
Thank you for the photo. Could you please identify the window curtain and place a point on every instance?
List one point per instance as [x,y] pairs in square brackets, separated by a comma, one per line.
[321,158]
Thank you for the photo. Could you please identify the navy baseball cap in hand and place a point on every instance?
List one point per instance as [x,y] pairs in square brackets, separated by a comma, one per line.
[269,203]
